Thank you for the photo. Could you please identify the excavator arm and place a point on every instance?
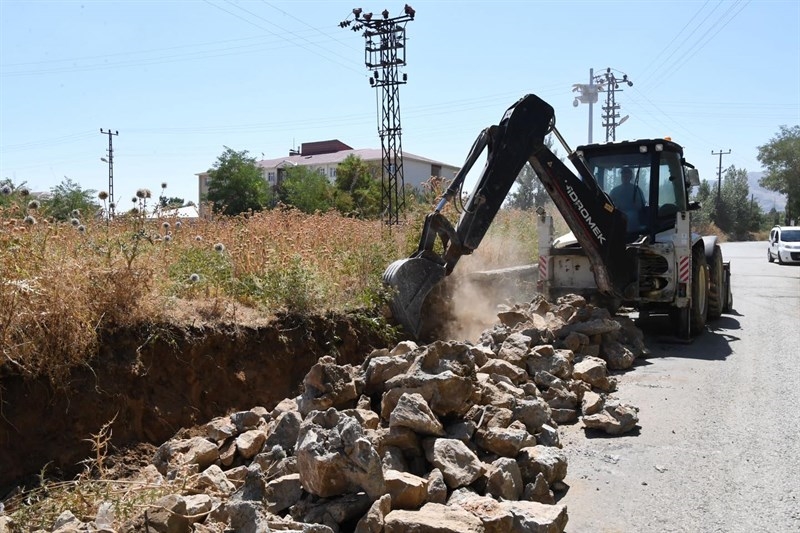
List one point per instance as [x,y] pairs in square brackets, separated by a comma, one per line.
[519,138]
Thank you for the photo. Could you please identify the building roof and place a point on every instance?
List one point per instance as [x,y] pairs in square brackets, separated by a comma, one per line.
[333,158]
[187,211]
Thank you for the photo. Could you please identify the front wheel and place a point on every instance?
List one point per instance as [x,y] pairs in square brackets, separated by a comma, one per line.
[700,285]
[769,256]
[690,321]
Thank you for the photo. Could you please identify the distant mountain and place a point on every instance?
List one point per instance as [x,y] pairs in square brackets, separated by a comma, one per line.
[765,198]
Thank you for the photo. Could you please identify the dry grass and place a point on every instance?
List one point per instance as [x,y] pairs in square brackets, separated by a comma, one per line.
[61,284]
[94,495]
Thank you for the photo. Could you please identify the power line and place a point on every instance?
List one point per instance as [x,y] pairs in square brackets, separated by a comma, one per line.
[702,40]
[347,66]
[662,63]
[301,21]
[710,37]
[645,73]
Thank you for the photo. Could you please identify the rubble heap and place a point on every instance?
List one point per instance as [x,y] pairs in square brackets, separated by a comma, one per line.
[446,437]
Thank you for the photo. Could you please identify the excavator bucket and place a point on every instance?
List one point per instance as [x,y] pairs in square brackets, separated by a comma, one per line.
[412,279]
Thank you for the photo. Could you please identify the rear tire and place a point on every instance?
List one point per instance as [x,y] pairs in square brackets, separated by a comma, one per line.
[718,291]
[729,296]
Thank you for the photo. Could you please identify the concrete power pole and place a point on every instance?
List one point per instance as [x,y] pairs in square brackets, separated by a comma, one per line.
[587,95]
[110,161]
[385,41]
[719,172]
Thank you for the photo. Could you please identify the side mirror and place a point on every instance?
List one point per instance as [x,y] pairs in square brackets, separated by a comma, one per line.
[693,177]
[694,206]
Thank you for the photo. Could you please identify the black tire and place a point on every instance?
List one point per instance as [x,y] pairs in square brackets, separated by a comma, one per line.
[718,290]
[699,314]
[729,295]
[780,261]
[769,256]
[690,321]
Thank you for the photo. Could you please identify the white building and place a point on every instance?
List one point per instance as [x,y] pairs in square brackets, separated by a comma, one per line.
[325,157]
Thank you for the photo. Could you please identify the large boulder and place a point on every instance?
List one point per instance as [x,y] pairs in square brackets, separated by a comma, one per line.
[433,518]
[334,457]
[459,465]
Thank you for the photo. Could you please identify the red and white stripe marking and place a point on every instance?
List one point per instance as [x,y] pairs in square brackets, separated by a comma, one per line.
[684,269]
[542,267]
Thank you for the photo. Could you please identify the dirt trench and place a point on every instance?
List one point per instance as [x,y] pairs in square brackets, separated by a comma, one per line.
[154,380]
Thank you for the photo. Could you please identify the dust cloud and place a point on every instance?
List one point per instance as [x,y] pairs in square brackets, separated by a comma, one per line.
[500,273]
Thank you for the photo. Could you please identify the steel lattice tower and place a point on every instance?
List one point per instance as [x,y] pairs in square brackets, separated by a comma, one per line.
[384,53]
[110,161]
[611,109]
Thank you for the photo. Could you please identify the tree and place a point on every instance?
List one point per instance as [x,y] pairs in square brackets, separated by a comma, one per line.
[172,202]
[236,184]
[67,198]
[358,188]
[707,201]
[530,191]
[306,189]
[781,159]
[736,213]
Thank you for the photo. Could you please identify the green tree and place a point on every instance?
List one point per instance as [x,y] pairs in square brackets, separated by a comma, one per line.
[68,197]
[707,201]
[236,184]
[358,188]
[737,214]
[530,191]
[781,159]
[306,189]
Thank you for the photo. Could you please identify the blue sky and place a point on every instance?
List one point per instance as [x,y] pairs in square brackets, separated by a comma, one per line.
[182,79]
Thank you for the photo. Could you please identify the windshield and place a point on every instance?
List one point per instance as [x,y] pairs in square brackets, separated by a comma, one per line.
[626,180]
[636,181]
[790,235]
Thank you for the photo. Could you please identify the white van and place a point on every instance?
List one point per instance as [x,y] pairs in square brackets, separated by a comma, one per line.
[784,244]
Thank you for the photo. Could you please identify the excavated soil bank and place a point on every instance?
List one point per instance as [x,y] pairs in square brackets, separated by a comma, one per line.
[159,378]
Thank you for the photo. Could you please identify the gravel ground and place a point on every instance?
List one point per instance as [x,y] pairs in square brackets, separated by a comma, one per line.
[718,449]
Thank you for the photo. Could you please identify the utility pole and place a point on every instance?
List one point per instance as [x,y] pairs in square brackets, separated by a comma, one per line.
[719,172]
[611,110]
[110,161]
[385,51]
[588,95]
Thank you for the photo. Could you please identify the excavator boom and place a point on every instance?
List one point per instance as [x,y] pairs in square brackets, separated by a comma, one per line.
[519,138]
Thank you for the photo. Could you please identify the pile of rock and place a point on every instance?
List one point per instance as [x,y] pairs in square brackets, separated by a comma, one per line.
[450,436]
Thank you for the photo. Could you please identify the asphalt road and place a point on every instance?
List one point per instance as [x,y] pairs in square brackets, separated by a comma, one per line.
[718,447]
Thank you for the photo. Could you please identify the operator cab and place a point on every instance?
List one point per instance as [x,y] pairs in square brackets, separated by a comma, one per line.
[647,179]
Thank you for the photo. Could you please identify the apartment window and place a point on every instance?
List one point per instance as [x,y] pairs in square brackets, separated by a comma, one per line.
[332,172]
[321,170]
[271,177]
[436,170]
